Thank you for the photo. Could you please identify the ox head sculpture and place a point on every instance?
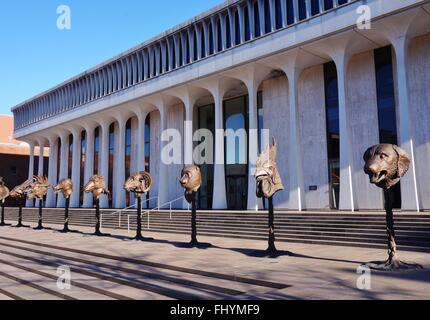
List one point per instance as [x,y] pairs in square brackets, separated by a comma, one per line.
[4,191]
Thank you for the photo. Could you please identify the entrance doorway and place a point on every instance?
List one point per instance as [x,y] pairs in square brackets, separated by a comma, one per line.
[236,152]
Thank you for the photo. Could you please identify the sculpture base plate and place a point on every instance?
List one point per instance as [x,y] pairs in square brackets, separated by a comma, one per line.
[142,238]
[393,265]
[38,228]
[5,224]
[21,226]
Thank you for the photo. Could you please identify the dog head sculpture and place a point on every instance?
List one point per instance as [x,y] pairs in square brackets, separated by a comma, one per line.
[4,191]
[139,183]
[39,188]
[386,164]
[191,181]
[267,175]
[96,186]
[65,187]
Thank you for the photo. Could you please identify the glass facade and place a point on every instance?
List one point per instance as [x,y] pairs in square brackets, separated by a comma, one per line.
[70,157]
[111,160]
[333,138]
[387,117]
[127,157]
[236,152]
[96,150]
[148,151]
[206,120]
[82,166]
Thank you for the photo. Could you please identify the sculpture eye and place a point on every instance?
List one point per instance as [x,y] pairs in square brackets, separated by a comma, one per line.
[383,156]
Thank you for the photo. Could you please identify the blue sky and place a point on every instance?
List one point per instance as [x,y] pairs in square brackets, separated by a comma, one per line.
[35,55]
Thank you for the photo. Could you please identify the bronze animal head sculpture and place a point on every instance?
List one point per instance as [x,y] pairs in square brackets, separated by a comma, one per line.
[139,183]
[38,188]
[65,187]
[4,191]
[267,175]
[97,186]
[386,164]
[20,192]
[191,181]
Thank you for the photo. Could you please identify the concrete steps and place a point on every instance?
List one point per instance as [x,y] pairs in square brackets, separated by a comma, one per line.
[360,230]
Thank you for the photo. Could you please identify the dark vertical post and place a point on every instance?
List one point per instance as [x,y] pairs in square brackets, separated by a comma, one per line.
[392,247]
[272,247]
[2,214]
[98,233]
[66,216]
[20,225]
[194,240]
[40,218]
[139,218]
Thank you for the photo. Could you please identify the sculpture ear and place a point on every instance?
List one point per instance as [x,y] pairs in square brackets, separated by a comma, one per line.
[404,160]
[369,153]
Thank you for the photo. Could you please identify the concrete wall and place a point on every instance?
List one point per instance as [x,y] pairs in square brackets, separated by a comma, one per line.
[362,109]
[175,120]
[313,135]
[276,118]
[419,86]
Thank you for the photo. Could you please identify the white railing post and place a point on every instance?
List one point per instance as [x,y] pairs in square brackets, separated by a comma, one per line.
[128,224]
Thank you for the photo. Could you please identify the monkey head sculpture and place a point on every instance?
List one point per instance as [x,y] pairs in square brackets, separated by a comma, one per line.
[97,186]
[386,164]
[191,181]
[139,183]
[65,187]
[38,188]
[267,175]
[4,191]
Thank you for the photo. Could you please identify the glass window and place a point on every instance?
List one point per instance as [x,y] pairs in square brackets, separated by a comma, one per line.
[228,31]
[247,24]
[128,156]
[111,159]
[302,9]
[257,31]
[206,121]
[315,7]
[211,39]
[333,142]
[237,25]
[70,156]
[267,17]
[290,12]
[82,167]
[96,150]
[385,95]
[328,4]
[278,12]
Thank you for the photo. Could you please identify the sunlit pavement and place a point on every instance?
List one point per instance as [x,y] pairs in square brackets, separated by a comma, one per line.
[115,267]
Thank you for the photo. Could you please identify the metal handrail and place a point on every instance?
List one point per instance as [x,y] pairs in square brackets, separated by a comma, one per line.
[170,203]
[119,212]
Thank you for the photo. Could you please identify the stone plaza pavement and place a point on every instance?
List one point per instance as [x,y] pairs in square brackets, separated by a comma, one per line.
[118,268]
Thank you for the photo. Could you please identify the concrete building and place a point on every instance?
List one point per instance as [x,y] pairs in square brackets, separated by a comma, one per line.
[326,85]
[15,156]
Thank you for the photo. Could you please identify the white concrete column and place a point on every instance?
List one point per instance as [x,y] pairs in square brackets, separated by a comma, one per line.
[253,202]
[206,34]
[296,10]
[241,12]
[273,14]
[308,9]
[188,131]
[89,164]
[219,196]
[251,19]
[163,192]
[223,21]
[262,17]
[29,203]
[64,165]
[347,185]
[52,174]
[322,8]
[199,41]
[104,160]
[409,185]
[295,175]
[76,167]
[191,35]
[284,13]
[120,165]
[41,157]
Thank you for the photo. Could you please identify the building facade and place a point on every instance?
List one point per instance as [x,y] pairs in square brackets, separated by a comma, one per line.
[326,85]
[15,156]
